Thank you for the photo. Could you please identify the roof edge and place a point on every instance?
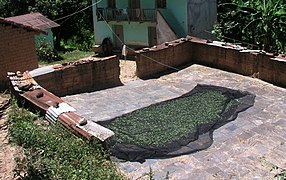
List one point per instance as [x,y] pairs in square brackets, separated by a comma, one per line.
[29,28]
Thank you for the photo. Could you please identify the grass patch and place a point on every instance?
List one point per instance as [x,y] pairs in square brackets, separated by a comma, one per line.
[51,152]
[69,56]
[167,122]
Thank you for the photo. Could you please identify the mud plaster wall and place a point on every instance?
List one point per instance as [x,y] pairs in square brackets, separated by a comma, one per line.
[82,76]
[263,65]
[17,51]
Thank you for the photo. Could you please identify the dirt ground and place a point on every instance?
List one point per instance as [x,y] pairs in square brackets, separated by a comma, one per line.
[7,151]
[127,71]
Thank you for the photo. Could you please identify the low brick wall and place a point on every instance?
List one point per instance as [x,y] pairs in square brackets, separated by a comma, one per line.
[82,76]
[214,54]
[264,66]
[173,54]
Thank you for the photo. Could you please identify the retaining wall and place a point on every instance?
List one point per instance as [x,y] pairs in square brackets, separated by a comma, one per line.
[224,56]
[79,77]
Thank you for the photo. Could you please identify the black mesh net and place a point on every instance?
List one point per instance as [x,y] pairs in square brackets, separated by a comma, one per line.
[178,126]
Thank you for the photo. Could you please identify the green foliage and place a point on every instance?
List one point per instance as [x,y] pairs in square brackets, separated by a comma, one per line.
[75,55]
[14,7]
[170,121]
[69,57]
[281,175]
[83,43]
[52,152]
[45,51]
[257,22]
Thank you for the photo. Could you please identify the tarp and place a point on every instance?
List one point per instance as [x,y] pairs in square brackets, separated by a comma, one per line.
[178,126]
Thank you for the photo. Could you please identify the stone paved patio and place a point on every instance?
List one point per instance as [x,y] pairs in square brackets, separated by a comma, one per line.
[246,148]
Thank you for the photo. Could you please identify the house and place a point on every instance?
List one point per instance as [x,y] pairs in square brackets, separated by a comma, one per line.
[142,23]
[37,20]
[17,49]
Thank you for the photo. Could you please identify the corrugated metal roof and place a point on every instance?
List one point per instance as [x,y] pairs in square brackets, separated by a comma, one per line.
[34,20]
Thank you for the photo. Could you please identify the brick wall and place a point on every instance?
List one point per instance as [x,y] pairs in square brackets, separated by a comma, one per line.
[264,66]
[173,54]
[17,51]
[214,54]
[82,76]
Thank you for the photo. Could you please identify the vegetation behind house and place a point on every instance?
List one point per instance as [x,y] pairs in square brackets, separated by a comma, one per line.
[257,22]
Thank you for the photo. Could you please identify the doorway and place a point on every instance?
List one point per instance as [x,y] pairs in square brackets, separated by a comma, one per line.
[152,36]
[134,4]
[118,29]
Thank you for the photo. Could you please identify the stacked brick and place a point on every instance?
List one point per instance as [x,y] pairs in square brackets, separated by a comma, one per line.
[82,76]
[220,55]
[259,64]
[17,51]
[173,54]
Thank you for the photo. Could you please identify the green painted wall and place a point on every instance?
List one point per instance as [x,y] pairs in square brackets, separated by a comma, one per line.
[135,33]
[148,4]
[49,38]
[122,4]
[177,16]
[101,30]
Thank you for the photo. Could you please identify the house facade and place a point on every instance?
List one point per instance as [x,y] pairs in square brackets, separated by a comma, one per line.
[143,23]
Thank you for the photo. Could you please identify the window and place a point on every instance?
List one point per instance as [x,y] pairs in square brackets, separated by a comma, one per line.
[161,3]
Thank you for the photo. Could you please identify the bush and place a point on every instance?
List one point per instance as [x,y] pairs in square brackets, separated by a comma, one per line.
[45,51]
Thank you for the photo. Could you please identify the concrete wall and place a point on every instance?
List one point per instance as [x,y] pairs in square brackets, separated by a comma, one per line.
[227,57]
[164,32]
[17,51]
[81,76]
[202,15]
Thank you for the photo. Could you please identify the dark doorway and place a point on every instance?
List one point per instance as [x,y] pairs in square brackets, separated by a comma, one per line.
[134,4]
[119,38]
[152,36]
[111,4]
